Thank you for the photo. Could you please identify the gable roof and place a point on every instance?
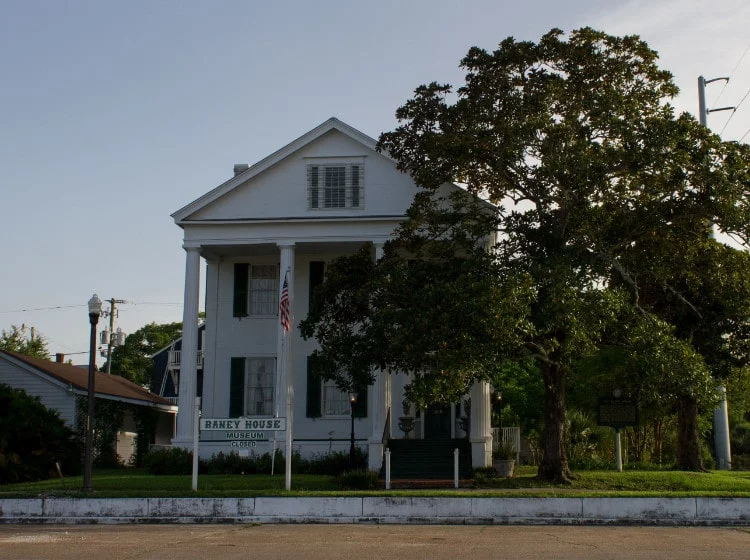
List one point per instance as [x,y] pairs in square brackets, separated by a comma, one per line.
[107,386]
[331,124]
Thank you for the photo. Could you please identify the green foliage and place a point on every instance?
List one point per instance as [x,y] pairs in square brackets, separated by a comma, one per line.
[146,419]
[605,181]
[133,359]
[589,445]
[430,307]
[108,417]
[33,438]
[15,340]
[175,460]
[504,450]
[359,479]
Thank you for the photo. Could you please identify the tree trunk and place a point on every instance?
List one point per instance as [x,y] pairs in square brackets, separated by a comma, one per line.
[554,465]
[688,442]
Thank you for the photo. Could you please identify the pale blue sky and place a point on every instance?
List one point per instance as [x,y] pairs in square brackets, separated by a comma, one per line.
[115,114]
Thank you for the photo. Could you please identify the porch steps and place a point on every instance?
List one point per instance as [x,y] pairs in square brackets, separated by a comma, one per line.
[428,458]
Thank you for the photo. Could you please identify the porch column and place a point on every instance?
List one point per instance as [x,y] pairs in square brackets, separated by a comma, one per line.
[189,354]
[480,434]
[284,355]
[380,401]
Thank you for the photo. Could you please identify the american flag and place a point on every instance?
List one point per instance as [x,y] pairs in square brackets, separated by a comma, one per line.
[284,304]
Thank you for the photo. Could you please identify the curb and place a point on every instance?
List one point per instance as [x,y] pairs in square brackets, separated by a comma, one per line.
[386,510]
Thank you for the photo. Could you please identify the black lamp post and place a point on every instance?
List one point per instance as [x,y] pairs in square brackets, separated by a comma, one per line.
[95,310]
[352,400]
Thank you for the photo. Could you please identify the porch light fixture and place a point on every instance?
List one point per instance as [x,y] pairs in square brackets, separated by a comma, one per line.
[95,310]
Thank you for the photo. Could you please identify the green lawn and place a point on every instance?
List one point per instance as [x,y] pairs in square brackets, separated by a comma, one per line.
[133,483]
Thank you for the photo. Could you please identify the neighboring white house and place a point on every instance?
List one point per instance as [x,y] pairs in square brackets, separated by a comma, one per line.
[321,196]
[59,385]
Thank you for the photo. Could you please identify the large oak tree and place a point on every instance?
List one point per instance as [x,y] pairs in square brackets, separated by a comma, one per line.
[576,137]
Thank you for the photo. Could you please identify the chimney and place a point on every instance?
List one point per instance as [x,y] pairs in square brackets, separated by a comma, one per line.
[239,168]
[59,358]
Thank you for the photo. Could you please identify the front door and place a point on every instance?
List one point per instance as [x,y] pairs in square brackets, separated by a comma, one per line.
[437,422]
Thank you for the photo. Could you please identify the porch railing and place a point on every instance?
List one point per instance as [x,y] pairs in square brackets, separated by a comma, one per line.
[175,359]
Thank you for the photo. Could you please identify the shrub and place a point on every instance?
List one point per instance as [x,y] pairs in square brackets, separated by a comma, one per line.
[359,479]
[33,438]
[175,460]
[331,464]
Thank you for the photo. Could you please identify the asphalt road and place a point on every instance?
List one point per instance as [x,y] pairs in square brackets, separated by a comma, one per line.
[364,542]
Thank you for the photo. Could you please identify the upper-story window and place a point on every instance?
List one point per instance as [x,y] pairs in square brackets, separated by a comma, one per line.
[335,185]
[256,289]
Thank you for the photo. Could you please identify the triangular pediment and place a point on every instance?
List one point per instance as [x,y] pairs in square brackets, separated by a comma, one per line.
[279,186]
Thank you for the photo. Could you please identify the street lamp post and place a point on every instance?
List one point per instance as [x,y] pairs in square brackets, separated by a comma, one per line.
[95,310]
[352,400]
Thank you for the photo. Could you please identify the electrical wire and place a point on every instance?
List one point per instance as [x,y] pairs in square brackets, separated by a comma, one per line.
[743,136]
[85,305]
[734,111]
[730,76]
[45,308]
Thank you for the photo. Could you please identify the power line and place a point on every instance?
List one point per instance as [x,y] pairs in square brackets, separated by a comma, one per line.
[85,305]
[154,303]
[743,136]
[734,111]
[731,74]
[44,308]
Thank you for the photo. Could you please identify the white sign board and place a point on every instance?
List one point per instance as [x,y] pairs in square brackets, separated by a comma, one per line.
[265,424]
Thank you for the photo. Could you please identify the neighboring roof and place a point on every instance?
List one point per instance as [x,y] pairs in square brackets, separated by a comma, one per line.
[106,385]
[331,124]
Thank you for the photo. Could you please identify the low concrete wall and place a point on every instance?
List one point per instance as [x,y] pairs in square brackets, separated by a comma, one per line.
[636,511]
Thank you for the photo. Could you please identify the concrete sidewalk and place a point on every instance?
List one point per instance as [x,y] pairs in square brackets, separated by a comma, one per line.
[385,510]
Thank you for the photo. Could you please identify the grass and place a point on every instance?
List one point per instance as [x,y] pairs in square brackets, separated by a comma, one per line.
[137,483]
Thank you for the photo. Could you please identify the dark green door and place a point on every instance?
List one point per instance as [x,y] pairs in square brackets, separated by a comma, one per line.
[437,422]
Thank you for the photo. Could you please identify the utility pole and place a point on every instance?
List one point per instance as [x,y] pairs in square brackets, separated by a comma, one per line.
[111,342]
[721,415]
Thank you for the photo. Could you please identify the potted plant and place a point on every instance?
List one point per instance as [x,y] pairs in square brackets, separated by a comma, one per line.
[406,422]
[504,459]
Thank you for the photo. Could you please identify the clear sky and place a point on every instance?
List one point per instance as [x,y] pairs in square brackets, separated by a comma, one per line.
[115,114]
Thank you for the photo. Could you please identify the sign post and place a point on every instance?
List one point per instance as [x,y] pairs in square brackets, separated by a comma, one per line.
[617,413]
[196,437]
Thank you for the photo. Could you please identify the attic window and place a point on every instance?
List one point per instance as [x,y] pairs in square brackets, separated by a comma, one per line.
[335,186]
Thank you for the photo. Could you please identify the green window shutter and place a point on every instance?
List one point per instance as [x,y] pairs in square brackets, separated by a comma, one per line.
[237,388]
[241,271]
[317,270]
[360,406]
[313,391]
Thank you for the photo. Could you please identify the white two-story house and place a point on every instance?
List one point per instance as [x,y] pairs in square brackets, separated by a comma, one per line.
[321,196]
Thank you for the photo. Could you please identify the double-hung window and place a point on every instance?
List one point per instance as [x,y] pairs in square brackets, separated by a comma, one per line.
[264,289]
[252,387]
[256,289]
[333,186]
[335,401]
[325,399]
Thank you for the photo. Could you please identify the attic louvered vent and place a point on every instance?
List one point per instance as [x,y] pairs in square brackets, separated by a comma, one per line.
[332,186]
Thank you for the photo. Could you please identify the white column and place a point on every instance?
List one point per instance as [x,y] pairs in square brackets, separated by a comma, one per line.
[285,361]
[378,406]
[189,354]
[480,434]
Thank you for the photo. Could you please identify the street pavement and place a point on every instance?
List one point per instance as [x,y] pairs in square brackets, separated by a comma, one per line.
[365,542]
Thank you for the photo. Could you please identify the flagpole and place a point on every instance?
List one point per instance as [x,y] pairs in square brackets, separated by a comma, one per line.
[285,318]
